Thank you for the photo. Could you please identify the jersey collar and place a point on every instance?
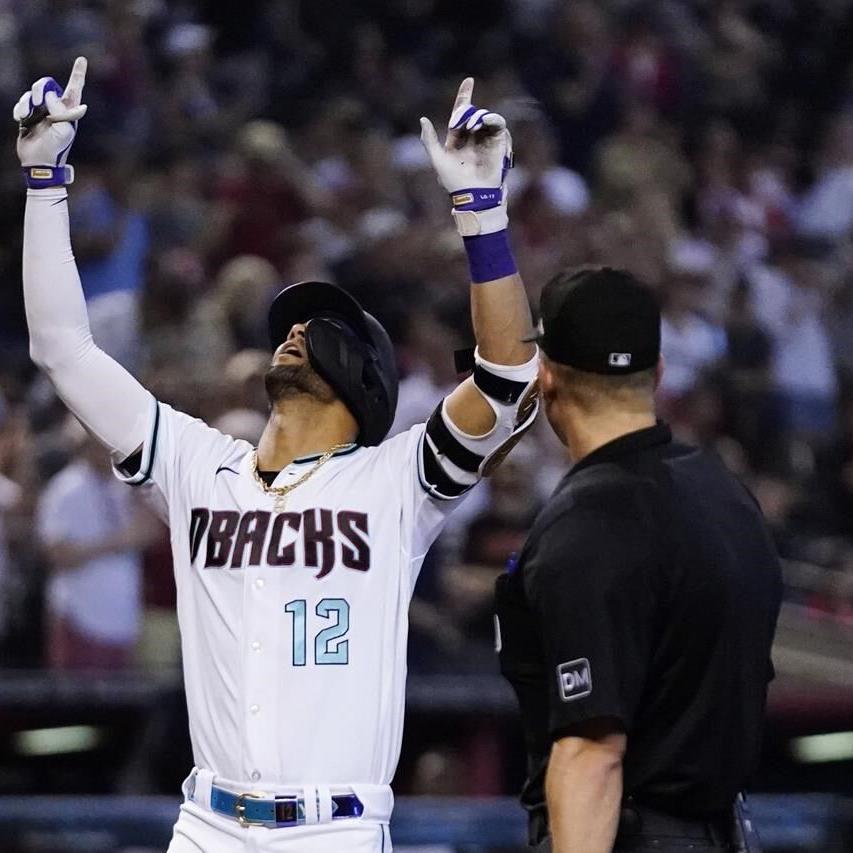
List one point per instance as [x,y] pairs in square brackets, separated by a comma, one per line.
[632,442]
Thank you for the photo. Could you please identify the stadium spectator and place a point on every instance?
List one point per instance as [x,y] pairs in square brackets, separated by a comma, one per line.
[262,193]
[540,172]
[827,207]
[691,344]
[428,350]
[641,158]
[92,538]
[791,298]
[748,382]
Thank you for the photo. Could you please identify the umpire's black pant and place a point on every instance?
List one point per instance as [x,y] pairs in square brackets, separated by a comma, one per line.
[642,830]
[655,844]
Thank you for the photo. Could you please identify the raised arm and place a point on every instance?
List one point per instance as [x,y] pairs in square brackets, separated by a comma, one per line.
[106,399]
[481,420]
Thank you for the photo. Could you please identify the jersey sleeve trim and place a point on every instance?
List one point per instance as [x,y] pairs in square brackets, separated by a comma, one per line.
[149,450]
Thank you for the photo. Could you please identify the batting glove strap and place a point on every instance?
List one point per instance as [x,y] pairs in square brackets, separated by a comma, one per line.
[42,177]
[473,223]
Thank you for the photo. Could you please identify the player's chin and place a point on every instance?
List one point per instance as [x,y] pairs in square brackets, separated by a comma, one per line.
[292,378]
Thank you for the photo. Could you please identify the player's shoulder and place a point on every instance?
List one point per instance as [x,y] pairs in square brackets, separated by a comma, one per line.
[384,466]
[397,448]
[198,435]
[196,448]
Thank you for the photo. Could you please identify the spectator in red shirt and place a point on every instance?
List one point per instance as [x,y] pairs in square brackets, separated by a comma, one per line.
[263,194]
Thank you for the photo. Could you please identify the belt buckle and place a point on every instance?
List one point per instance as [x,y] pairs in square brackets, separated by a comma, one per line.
[240,809]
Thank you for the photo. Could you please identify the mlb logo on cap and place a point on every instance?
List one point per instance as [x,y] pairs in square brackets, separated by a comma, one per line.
[619,359]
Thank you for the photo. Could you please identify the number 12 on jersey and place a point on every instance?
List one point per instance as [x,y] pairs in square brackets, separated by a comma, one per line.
[330,647]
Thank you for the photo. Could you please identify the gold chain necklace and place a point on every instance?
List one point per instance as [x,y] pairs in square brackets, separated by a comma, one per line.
[280,493]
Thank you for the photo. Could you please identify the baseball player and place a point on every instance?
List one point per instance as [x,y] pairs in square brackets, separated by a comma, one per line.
[294,561]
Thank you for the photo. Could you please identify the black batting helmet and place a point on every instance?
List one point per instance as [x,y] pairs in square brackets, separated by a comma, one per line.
[347,346]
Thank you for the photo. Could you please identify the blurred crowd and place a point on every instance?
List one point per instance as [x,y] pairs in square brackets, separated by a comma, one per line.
[706,145]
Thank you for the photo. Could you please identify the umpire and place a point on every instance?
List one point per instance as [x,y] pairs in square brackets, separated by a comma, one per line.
[636,627]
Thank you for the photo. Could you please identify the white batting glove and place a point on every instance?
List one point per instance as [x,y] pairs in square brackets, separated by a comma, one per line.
[47,124]
[472,164]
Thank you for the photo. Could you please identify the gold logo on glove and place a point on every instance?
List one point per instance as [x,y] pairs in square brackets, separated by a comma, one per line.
[462,198]
[40,173]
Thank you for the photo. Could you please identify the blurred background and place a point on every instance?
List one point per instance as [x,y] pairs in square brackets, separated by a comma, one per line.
[706,145]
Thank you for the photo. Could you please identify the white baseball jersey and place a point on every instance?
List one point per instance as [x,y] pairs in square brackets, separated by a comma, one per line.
[294,623]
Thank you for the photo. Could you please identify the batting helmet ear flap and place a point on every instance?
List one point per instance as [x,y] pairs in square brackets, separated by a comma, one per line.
[336,353]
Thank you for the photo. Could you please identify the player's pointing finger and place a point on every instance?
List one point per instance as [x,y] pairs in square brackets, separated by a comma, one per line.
[74,89]
[463,96]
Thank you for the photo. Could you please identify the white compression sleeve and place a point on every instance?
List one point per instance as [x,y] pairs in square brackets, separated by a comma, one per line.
[106,399]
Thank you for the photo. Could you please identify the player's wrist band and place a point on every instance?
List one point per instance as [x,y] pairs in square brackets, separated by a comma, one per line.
[42,177]
[490,256]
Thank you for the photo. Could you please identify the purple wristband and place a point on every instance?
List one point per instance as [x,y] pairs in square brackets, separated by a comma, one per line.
[489,256]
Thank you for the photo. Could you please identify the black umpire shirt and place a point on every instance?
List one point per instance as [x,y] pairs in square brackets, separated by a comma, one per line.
[647,592]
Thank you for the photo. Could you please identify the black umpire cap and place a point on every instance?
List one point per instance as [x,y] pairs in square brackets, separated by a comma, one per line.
[601,320]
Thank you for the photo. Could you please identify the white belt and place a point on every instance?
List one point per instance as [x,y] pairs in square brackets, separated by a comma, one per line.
[378,800]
